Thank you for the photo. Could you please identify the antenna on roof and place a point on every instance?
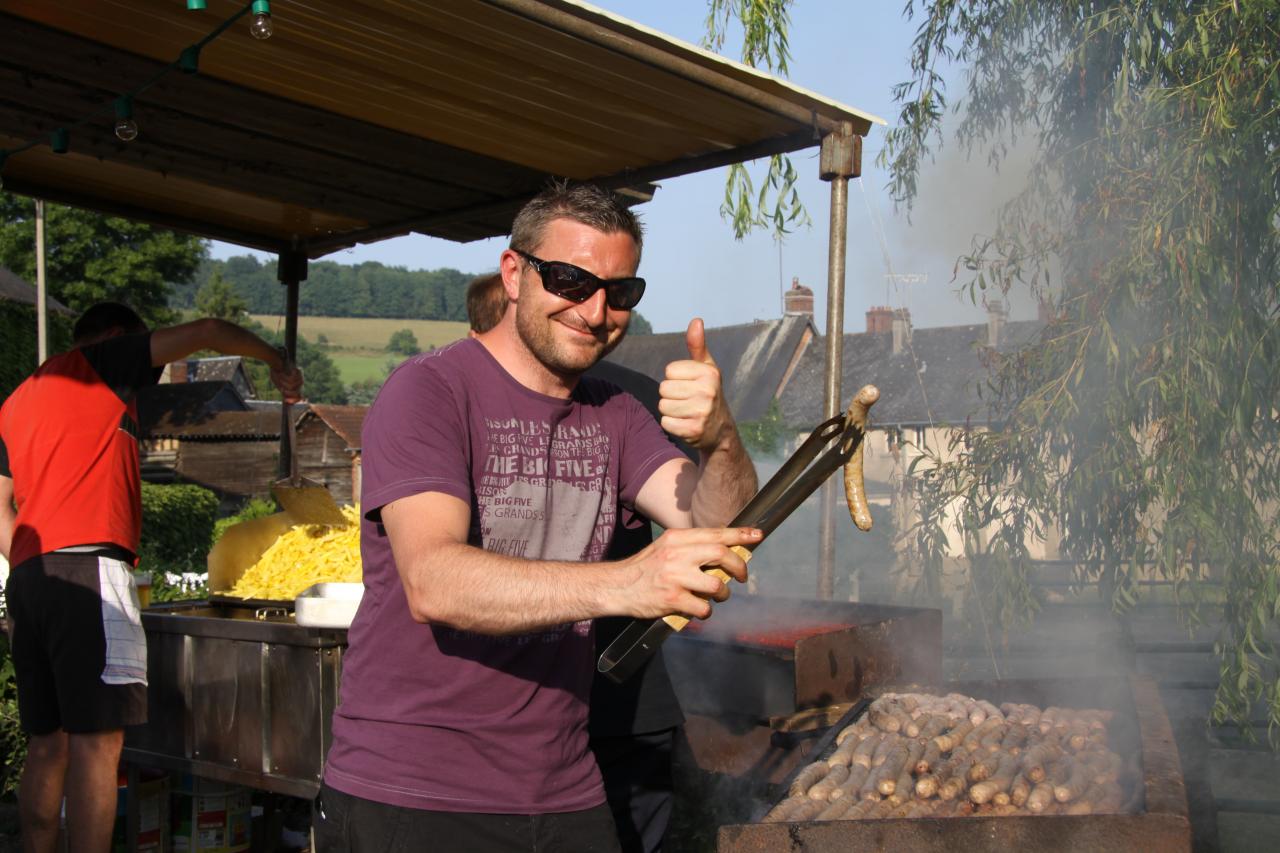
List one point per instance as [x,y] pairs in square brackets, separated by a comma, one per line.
[898,284]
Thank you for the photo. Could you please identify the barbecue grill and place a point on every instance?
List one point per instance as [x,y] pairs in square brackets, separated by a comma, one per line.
[1156,818]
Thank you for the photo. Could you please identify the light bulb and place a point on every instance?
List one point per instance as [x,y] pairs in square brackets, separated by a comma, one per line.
[126,129]
[195,5]
[260,26]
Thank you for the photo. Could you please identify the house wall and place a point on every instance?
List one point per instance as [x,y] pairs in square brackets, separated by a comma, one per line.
[239,469]
[323,456]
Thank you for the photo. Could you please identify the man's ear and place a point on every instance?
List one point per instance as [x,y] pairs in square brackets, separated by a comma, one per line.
[511,265]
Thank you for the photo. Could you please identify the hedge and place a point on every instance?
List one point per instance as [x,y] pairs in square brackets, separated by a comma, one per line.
[177,524]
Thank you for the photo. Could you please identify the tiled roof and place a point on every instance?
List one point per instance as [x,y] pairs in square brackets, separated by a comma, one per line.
[933,380]
[16,289]
[346,421]
[221,426]
[174,406]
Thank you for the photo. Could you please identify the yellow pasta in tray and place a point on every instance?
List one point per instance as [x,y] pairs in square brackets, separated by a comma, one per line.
[306,554]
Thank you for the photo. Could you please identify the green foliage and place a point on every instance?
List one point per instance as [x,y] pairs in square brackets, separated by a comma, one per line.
[639,325]
[321,381]
[177,524]
[765,436]
[91,257]
[217,298]
[363,391]
[18,342]
[403,342]
[13,741]
[776,205]
[369,289]
[1142,421]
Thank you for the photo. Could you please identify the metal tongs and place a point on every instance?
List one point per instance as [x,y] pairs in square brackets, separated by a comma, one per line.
[785,491]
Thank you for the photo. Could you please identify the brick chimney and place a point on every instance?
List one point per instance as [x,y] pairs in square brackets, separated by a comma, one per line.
[997,316]
[901,330]
[177,371]
[797,300]
[879,319]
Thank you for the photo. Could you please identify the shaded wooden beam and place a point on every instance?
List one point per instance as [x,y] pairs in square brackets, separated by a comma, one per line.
[508,207]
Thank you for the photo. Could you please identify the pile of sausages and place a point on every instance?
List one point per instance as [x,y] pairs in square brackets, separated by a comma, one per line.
[919,755]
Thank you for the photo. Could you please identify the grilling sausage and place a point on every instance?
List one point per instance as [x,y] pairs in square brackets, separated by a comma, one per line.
[855,491]
[808,777]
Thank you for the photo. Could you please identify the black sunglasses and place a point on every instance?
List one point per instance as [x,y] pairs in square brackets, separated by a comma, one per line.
[578,285]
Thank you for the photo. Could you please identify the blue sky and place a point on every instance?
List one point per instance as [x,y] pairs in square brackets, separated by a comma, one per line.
[853,51]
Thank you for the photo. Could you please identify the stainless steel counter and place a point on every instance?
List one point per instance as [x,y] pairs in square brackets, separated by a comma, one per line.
[238,695]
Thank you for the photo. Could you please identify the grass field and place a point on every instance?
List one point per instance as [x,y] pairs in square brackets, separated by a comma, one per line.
[370,334]
[354,368]
[357,345]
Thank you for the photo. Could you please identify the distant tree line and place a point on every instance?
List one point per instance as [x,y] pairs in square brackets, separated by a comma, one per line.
[369,289]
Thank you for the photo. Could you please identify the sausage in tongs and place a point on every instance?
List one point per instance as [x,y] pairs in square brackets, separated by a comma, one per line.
[855,491]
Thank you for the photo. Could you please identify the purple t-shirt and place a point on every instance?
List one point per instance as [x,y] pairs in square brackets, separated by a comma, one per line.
[432,717]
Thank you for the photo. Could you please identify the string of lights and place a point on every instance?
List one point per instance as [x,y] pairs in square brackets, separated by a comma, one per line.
[188,62]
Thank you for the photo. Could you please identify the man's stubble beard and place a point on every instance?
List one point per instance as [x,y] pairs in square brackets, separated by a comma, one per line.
[536,332]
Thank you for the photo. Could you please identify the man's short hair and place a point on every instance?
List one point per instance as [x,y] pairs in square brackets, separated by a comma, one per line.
[486,302]
[101,318]
[586,203]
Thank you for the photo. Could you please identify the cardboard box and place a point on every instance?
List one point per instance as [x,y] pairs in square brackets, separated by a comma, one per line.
[153,817]
[210,817]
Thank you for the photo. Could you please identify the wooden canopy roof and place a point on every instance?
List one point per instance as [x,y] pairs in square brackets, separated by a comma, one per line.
[360,120]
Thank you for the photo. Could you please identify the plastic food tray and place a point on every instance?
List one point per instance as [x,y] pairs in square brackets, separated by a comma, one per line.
[328,605]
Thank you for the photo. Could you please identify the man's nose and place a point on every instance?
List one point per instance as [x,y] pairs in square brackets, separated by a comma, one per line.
[594,310]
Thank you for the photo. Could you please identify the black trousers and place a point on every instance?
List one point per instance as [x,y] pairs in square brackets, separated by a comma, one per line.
[637,782]
[347,824]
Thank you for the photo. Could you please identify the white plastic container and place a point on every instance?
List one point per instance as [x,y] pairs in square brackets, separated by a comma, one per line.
[328,605]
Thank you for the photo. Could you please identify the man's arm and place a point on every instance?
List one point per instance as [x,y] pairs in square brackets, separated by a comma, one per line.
[8,516]
[447,581]
[175,342]
[680,494]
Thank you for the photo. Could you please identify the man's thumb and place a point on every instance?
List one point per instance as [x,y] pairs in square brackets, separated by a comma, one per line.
[696,339]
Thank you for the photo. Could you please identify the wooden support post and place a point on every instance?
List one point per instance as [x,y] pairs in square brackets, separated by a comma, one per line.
[840,159]
[291,269]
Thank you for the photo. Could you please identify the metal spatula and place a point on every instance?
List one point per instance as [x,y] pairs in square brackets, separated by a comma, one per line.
[306,500]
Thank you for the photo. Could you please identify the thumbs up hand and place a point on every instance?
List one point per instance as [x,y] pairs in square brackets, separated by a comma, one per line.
[691,399]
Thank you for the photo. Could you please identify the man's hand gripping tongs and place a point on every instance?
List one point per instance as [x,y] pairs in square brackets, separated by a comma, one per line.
[785,491]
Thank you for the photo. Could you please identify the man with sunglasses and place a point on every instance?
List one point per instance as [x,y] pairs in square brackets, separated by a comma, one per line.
[492,476]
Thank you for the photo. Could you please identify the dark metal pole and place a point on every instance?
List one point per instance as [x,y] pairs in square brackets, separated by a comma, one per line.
[840,160]
[291,269]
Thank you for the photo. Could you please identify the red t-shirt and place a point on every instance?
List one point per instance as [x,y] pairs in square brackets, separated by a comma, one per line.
[69,441]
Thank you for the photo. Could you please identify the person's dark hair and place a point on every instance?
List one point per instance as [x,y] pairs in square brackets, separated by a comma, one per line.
[486,302]
[586,203]
[103,317]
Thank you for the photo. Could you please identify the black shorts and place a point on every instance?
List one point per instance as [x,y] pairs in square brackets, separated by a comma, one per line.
[347,824]
[79,651]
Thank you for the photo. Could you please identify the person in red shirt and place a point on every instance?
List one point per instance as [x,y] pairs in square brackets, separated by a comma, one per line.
[69,462]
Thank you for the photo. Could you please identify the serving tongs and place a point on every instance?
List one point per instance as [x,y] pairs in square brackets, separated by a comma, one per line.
[785,491]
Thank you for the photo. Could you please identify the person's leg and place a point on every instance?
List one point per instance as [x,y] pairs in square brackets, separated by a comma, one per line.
[637,783]
[350,824]
[92,768]
[40,791]
[587,831]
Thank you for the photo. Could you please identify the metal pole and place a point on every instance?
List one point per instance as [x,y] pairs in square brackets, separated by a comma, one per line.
[840,159]
[291,269]
[42,298]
